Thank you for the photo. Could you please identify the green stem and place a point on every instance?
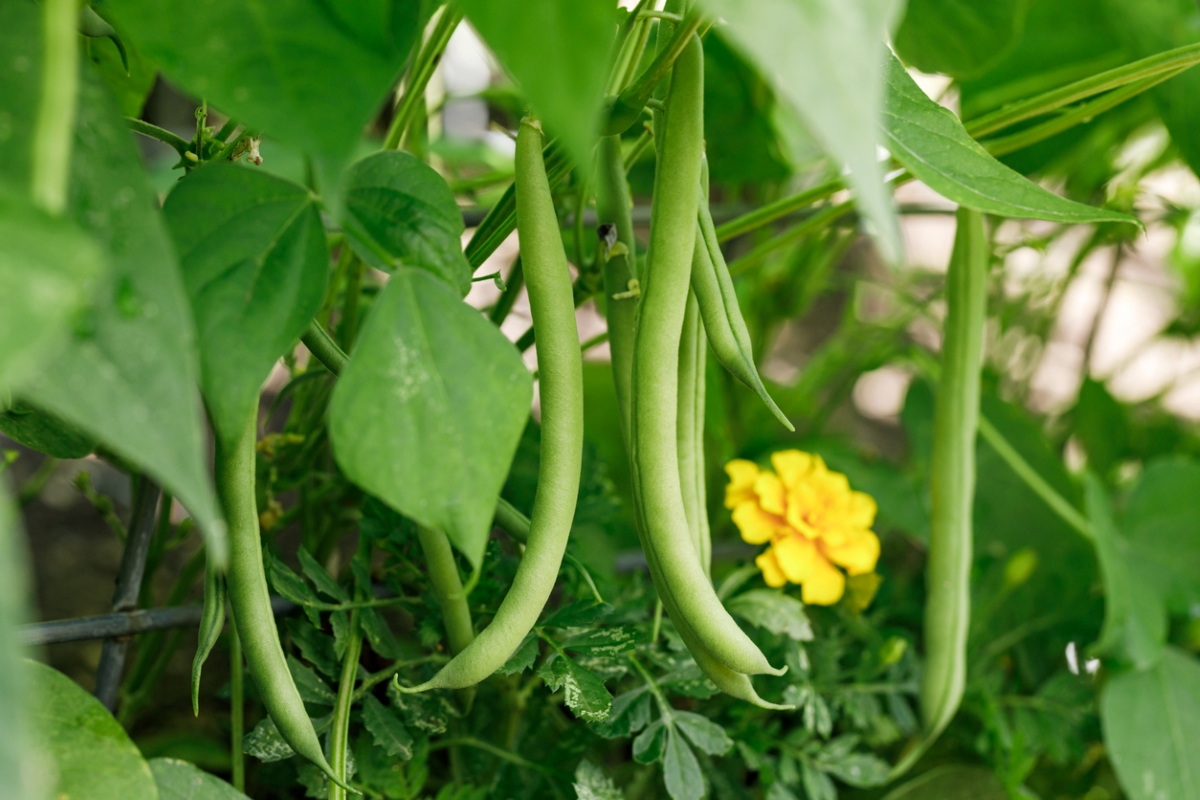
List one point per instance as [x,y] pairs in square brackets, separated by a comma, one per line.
[339,733]
[792,235]
[32,488]
[1057,503]
[386,673]
[628,106]
[54,129]
[348,325]
[447,587]
[423,68]
[499,752]
[512,289]
[777,210]
[237,678]
[177,143]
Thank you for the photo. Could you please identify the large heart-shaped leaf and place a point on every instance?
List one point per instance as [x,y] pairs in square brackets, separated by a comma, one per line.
[252,250]
[429,411]
[396,208]
[48,267]
[959,37]
[826,57]
[305,72]
[91,754]
[935,147]
[558,53]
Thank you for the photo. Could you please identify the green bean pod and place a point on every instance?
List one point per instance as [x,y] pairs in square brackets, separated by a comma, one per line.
[211,623]
[952,485]
[655,465]
[560,365]
[723,322]
[250,602]
[689,431]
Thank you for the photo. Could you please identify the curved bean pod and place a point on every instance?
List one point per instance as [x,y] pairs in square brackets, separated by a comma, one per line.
[560,363]
[250,601]
[689,431]
[952,485]
[655,464]
[211,623]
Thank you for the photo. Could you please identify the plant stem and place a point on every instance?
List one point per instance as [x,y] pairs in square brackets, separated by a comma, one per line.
[499,752]
[778,209]
[237,709]
[628,106]
[51,167]
[427,61]
[324,348]
[340,731]
[447,587]
[32,488]
[384,674]
[177,143]
[512,288]
[811,224]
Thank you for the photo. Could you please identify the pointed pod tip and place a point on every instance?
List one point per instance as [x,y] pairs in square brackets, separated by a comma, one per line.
[420,687]
[777,671]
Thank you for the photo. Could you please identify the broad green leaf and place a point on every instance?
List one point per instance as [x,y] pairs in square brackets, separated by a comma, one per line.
[952,782]
[592,784]
[558,53]
[960,38]
[703,732]
[128,374]
[48,271]
[826,57]
[20,75]
[1147,27]
[179,780]
[1135,622]
[523,657]
[932,143]
[312,688]
[397,210]
[429,411]
[130,88]
[386,728]
[90,753]
[681,770]
[43,432]
[252,250]
[773,610]
[1160,527]
[584,693]
[650,744]
[16,735]
[266,743]
[289,69]
[1152,728]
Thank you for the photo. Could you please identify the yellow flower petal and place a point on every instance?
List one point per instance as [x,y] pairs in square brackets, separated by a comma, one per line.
[771,572]
[858,552]
[861,513]
[825,584]
[755,525]
[770,493]
[796,556]
[801,503]
[792,465]
[741,482]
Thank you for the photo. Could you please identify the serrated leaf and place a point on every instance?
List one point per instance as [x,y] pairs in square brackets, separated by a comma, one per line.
[772,609]
[312,688]
[386,728]
[935,147]
[681,770]
[434,380]
[523,657]
[817,785]
[179,780]
[650,744]
[266,743]
[380,636]
[578,614]
[689,681]
[427,714]
[603,641]
[315,646]
[703,732]
[291,586]
[252,250]
[592,784]
[397,210]
[320,578]
[583,692]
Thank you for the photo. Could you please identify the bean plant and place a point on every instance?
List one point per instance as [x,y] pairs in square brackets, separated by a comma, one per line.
[462,555]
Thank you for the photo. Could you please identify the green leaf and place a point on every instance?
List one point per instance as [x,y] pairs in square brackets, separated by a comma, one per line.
[960,38]
[1135,622]
[289,68]
[1101,426]
[315,646]
[376,629]
[826,58]
[129,87]
[428,714]
[932,143]
[592,784]
[817,785]
[523,657]
[1152,728]
[772,609]
[88,750]
[603,641]
[127,377]
[433,380]
[578,614]
[252,250]
[651,743]
[320,578]
[952,782]
[312,688]
[681,770]
[44,432]
[630,713]
[1160,528]
[48,271]
[399,210]
[558,53]
[386,728]
[703,732]
[20,75]
[266,743]
[179,780]
[291,587]
[583,692]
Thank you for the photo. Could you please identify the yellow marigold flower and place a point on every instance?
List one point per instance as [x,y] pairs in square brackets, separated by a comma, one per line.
[814,522]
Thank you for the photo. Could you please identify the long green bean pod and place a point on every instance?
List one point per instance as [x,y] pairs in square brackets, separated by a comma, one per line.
[211,623]
[689,431]
[560,364]
[250,601]
[723,322]
[613,207]
[447,587]
[947,604]
[662,520]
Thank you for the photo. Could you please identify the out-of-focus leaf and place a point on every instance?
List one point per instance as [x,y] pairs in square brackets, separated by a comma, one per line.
[703,732]
[592,784]
[773,610]
[960,38]
[1160,527]
[130,88]
[1152,728]
[1101,425]
[952,782]
[179,780]
[43,432]
[434,380]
